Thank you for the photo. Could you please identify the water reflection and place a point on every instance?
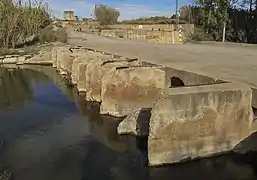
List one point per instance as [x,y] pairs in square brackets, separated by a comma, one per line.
[48,133]
[15,86]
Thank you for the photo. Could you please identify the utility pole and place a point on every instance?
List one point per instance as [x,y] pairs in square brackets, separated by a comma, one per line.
[224,32]
[175,27]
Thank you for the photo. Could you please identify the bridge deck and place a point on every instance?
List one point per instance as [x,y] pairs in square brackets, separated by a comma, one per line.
[227,62]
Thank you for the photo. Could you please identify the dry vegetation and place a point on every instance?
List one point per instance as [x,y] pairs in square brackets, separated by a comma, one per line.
[26,20]
[50,34]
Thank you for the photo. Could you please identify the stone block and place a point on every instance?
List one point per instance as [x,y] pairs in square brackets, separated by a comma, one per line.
[81,76]
[173,78]
[254,101]
[127,89]
[54,56]
[21,60]
[59,55]
[75,68]
[66,58]
[96,70]
[79,66]
[199,121]
[136,123]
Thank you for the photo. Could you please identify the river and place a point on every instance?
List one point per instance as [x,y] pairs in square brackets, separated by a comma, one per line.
[47,133]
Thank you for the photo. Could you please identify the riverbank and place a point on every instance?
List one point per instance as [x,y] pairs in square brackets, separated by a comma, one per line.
[33,55]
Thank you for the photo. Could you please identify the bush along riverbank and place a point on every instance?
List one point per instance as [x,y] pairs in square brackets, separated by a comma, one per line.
[26,28]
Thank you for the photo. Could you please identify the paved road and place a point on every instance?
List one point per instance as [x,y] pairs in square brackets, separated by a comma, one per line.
[227,62]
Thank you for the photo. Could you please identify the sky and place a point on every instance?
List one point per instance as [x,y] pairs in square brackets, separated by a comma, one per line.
[129,9]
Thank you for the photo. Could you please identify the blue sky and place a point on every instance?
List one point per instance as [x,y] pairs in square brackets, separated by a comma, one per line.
[129,9]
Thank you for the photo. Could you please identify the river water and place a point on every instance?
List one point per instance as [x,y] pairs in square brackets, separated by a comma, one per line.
[47,133]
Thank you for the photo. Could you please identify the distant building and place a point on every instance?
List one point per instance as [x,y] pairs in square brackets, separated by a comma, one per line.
[69,16]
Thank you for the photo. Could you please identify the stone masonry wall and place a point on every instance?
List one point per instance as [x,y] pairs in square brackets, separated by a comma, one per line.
[145,35]
[161,33]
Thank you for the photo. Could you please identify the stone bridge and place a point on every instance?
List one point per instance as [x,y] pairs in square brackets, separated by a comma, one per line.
[184,113]
[191,101]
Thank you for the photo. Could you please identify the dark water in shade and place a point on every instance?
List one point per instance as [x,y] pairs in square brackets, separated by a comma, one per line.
[47,133]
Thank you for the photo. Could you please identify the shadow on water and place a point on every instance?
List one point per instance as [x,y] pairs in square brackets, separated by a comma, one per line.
[49,133]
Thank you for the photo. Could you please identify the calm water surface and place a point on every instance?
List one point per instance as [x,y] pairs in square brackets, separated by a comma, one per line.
[47,133]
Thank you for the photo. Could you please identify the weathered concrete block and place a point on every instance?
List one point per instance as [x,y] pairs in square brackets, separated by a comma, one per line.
[192,122]
[173,78]
[67,57]
[127,89]
[74,69]
[93,80]
[79,67]
[136,123]
[21,59]
[59,55]
[96,70]
[81,76]
[54,56]
[254,101]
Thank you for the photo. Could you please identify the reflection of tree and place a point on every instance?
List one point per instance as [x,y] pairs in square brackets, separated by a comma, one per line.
[35,76]
[15,86]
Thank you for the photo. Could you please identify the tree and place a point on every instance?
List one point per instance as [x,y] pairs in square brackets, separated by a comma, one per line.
[106,15]
[19,20]
[210,16]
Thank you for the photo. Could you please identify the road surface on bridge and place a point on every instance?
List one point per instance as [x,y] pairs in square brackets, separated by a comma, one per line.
[227,62]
